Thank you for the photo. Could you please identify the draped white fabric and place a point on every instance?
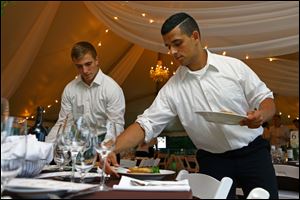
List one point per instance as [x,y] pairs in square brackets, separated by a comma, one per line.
[13,74]
[257,29]
[124,67]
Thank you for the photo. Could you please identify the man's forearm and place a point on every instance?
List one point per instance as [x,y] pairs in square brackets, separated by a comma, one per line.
[268,108]
[131,137]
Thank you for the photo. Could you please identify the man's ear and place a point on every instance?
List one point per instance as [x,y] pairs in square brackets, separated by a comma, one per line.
[196,35]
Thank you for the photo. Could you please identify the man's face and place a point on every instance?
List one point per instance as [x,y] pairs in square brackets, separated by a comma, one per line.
[87,67]
[181,46]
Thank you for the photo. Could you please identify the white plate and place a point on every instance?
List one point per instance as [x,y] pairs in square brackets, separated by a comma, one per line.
[222,117]
[147,176]
[35,193]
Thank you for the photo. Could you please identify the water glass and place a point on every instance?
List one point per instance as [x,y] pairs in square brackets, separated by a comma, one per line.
[104,145]
[76,138]
[85,161]
[13,147]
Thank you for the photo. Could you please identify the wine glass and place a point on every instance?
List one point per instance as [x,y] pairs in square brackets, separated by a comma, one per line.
[104,145]
[75,137]
[13,147]
[86,160]
[61,156]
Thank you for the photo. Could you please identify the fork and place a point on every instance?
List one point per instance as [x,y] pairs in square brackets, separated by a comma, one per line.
[140,183]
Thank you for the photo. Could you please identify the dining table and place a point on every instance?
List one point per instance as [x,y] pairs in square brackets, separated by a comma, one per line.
[95,193]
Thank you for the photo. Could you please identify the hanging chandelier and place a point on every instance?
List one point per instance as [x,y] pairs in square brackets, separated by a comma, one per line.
[159,73]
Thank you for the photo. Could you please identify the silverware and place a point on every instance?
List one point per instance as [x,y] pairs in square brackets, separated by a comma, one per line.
[142,183]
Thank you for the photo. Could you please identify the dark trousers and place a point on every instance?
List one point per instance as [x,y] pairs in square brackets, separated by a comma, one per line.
[249,167]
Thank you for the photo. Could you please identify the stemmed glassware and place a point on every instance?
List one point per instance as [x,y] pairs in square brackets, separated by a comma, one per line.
[75,137]
[104,145]
[13,147]
[86,160]
[61,155]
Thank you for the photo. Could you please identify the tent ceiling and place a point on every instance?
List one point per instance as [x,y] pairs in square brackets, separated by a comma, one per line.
[51,67]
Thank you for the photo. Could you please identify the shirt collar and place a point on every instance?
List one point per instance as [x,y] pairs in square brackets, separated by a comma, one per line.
[97,80]
[211,64]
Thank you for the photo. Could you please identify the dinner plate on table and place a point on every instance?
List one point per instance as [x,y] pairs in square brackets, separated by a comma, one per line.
[34,193]
[65,176]
[146,176]
[222,117]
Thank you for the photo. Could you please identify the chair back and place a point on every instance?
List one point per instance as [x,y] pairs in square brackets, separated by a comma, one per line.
[206,187]
[258,193]
[192,163]
[287,171]
[287,178]
[181,174]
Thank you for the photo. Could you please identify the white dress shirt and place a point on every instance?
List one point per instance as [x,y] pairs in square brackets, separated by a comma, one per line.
[102,100]
[225,83]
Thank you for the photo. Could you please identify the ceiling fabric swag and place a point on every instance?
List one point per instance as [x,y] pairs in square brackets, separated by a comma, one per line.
[223,26]
[13,74]
[124,67]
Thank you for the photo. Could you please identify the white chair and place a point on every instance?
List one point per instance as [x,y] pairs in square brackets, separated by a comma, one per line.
[258,193]
[289,172]
[207,187]
[181,174]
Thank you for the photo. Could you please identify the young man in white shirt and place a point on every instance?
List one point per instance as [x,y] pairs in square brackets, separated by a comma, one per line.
[93,94]
[211,82]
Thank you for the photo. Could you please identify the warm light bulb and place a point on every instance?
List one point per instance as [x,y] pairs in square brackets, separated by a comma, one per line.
[49,106]
[99,44]
[106,31]
[280,113]
[143,14]
[116,18]
[247,57]
[151,21]
[270,59]
[224,53]
[205,47]
[289,116]
[56,101]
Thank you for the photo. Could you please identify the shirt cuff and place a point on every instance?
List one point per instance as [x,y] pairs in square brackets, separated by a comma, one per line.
[146,125]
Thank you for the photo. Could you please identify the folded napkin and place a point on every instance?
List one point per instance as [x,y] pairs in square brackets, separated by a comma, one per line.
[32,183]
[126,184]
[13,147]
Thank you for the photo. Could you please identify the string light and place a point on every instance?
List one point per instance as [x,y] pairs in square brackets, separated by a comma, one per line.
[116,18]
[247,57]
[143,14]
[151,21]
[106,31]
[224,53]
[270,59]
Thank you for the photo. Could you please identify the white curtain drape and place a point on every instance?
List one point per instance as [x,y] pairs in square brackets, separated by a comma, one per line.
[14,73]
[124,67]
[257,29]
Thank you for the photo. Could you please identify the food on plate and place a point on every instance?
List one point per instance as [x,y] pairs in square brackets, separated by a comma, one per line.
[143,170]
[228,112]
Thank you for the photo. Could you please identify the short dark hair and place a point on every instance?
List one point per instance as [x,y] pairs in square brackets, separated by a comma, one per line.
[81,48]
[187,24]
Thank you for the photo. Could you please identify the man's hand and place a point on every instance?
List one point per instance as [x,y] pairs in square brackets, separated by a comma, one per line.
[111,160]
[254,119]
